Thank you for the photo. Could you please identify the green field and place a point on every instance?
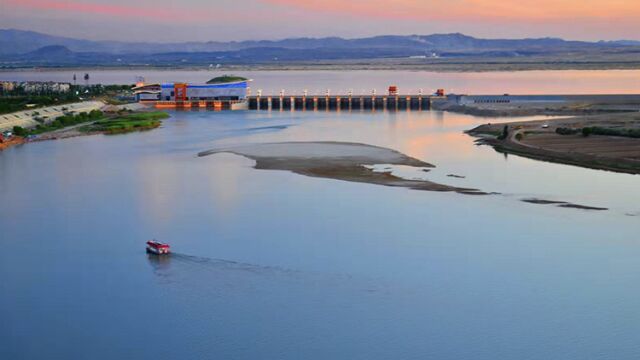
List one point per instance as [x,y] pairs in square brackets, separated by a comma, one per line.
[127,123]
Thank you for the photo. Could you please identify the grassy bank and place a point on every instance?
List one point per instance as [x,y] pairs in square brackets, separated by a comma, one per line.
[598,130]
[127,123]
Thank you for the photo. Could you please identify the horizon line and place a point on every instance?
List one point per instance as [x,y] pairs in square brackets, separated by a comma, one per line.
[324,37]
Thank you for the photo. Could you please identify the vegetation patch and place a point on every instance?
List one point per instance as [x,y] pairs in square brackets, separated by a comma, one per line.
[567,131]
[505,133]
[128,123]
[597,130]
[226,79]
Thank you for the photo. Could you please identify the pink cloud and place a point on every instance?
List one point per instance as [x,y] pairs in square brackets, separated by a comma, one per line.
[119,11]
[470,10]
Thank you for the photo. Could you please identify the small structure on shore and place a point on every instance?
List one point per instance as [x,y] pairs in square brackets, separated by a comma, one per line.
[147,92]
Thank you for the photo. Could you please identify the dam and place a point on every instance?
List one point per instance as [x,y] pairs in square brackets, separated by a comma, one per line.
[220,94]
[622,102]
[344,102]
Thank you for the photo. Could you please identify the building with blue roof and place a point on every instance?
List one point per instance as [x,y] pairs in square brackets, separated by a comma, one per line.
[204,92]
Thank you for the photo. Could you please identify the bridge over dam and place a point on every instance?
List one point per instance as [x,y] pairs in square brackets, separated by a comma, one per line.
[344,102]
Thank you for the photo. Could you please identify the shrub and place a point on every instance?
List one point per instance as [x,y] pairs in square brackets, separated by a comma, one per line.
[19,131]
[566,131]
[505,133]
[596,130]
[95,114]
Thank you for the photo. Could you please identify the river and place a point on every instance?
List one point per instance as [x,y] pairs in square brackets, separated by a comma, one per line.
[275,265]
[363,82]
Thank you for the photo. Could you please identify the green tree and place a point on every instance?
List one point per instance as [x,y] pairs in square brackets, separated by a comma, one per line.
[19,131]
[505,133]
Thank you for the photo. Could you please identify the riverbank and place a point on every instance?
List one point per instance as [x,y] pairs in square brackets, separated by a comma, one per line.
[564,141]
[113,124]
[16,140]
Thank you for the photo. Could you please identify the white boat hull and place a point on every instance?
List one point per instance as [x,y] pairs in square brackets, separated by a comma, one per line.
[156,251]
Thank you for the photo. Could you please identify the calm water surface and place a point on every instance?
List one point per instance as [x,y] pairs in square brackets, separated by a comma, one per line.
[362,82]
[274,265]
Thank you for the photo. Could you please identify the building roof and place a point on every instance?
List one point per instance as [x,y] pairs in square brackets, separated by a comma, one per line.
[146,87]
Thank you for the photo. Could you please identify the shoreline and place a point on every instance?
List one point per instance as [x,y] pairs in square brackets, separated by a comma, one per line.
[537,139]
[16,140]
[113,124]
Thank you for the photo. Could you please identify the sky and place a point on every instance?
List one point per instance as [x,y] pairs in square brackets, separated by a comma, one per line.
[225,20]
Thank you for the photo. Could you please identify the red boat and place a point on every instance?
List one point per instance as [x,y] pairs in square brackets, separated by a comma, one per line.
[157,248]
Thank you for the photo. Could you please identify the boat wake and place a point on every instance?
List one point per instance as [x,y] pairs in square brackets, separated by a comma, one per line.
[184,269]
[220,264]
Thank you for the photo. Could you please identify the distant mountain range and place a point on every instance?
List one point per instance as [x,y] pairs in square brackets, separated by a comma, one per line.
[28,48]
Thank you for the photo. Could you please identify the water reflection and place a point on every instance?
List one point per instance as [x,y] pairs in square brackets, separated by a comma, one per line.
[161,266]
[155,180]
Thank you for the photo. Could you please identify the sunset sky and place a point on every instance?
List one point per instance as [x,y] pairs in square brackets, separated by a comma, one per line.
[202,20]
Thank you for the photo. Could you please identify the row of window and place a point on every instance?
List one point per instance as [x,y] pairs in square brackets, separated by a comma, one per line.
[168,98]
[491,101]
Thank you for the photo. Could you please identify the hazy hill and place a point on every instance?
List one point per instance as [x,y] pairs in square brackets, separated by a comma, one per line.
[18,41]
[27,48]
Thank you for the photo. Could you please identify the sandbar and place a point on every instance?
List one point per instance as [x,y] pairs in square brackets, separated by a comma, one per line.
[337,160]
